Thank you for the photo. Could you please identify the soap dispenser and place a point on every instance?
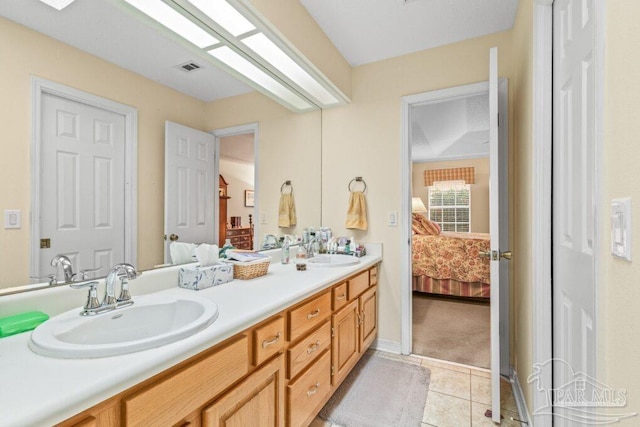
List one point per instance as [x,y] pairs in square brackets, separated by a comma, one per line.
[286,253]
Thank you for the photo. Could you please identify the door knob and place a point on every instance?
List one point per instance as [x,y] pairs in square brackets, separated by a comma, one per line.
[483,254]
[506,255]
[173,237]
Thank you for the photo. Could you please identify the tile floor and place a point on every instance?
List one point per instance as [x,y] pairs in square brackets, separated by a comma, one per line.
[458,396]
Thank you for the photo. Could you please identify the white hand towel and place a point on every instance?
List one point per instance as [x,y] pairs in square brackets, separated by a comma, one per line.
[207,254]
[181,253]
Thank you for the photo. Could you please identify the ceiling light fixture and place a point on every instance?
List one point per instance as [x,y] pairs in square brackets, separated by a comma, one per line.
[238,39]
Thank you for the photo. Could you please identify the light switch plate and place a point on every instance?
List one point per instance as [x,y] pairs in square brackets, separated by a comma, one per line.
[621,228]
[12,218]
[393,219]
[263,218]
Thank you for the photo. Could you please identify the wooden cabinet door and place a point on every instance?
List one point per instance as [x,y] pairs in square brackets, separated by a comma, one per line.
[368,318]
[344,341]
[256,401]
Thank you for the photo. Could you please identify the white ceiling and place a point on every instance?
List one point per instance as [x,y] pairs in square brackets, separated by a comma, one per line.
[366,31]
[238,148]
[448,130]
[363,30]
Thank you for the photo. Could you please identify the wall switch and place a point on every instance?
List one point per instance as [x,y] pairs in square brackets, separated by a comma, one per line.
[263,218]
[393,219]
[12,219]
[621,228]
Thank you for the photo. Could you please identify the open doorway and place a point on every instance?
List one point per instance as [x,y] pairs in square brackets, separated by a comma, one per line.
[450,225]
[237,149]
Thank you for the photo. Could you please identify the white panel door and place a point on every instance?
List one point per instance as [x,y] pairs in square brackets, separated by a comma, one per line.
[499,229]
[573,194]
[190,190]
[82,185]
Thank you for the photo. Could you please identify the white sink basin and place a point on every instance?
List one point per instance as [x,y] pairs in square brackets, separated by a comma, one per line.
[332,260]
[152,321]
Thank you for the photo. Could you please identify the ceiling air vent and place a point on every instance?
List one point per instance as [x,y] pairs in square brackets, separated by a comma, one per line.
[189,66]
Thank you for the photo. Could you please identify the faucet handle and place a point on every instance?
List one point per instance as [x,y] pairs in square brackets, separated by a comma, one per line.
[53,279]
[124,289]
[83,273]
[92,299]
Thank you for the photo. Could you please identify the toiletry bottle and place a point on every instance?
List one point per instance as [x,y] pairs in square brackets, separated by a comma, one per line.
[225,248]
[352,246]
[285,250]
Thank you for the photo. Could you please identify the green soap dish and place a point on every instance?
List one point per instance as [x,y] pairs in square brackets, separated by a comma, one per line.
[22,322]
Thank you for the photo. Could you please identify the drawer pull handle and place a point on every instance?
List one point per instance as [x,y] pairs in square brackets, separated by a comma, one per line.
[313,347]
[266,343]
[341,297]
[313,390]
[313,314]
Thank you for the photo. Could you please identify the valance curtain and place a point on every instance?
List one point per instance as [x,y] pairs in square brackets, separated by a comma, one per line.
[468,175]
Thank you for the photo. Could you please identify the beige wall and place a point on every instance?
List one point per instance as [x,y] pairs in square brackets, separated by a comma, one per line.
[522,284]
[25,54]
[479,190]
[618,291]
[363,139]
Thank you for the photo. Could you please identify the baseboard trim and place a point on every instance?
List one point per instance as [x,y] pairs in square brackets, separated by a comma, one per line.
[518,395]
[385,345]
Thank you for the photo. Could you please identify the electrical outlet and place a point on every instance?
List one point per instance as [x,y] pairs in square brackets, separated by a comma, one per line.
[263,218]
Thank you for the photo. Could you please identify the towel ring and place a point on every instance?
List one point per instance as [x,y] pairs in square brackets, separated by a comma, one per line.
[358,179]
[286,183]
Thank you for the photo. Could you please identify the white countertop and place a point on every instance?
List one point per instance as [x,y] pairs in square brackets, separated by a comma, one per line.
[38,390]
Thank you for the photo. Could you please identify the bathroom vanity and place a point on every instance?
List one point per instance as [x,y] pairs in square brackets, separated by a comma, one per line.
[280,347]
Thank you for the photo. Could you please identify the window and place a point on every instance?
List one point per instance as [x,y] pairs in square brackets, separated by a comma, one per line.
[450,205]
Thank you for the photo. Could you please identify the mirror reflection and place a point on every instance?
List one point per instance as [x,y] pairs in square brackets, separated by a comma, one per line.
[289,148]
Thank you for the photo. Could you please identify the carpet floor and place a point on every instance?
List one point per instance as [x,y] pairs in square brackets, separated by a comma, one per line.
[379,392]
[453,330]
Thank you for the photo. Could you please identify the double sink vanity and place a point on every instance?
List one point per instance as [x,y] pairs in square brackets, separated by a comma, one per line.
[266,351]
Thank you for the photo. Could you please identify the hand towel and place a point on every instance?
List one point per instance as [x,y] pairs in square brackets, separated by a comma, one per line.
[287,211]
[181,253]
[357,212]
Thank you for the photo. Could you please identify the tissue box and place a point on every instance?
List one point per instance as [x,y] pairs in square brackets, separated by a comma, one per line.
[197,278]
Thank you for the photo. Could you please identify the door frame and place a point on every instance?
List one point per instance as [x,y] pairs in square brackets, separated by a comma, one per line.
[405,232]
[253,128]
[40,86]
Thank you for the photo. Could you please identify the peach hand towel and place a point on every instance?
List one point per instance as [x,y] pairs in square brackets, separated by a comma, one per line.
[357,212]
[287,211]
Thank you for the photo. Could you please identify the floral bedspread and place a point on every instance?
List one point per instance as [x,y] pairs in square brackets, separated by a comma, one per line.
[451,256]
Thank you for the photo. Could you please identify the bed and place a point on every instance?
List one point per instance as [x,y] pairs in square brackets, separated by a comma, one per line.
[448,263]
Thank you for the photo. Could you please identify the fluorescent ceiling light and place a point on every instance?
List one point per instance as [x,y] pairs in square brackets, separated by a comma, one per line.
[225,15]
[232,59]
[282,62]
[173,20]
[58,4]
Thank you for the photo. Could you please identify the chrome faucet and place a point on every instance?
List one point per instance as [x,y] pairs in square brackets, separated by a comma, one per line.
[67,267]
[309,247]
[123,271]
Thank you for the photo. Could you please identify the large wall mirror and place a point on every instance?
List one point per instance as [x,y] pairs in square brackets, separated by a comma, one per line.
[289,144]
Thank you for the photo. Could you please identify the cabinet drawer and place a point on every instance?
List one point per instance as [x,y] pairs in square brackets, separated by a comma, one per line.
[373,276]
[339,294]
[307,350]
[358,284]
[308,392]
[171,399]
[268,340]
[309,315]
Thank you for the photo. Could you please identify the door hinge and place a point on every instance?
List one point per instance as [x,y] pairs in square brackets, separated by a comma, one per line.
[333,333]
[332,370]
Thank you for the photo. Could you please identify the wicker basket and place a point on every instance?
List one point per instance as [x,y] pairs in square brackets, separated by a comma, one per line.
[250,270]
